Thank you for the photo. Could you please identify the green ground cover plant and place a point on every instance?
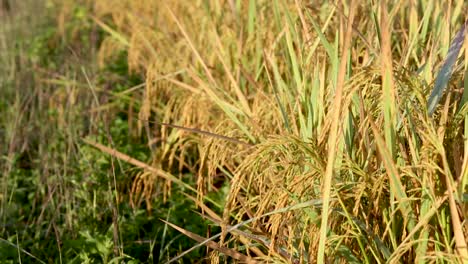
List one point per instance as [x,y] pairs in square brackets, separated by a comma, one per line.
[243,131]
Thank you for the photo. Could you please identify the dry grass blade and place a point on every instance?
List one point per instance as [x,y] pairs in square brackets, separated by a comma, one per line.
[227,251]
[333,140]
[205,209]
[140,164]
[206,133]
[114,33]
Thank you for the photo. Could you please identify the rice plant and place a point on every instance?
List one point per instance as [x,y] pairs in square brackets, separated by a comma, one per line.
[303,132]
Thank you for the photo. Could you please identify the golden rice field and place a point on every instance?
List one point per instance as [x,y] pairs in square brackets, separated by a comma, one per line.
[233,131]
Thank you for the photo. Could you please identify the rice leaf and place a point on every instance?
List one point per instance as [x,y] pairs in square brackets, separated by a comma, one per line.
[445,72]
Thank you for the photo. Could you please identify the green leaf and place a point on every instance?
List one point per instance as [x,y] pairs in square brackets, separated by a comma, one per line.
[446,71]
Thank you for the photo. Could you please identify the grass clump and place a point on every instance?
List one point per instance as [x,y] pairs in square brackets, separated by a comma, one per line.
[303,132]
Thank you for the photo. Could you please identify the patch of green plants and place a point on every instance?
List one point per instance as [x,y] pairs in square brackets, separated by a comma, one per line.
[62,200]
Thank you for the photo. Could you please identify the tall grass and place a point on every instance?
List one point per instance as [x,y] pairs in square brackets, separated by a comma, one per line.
[62,201]
[306,132]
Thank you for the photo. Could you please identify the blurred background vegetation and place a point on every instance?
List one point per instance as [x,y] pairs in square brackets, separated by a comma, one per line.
[215,131]
[63,201]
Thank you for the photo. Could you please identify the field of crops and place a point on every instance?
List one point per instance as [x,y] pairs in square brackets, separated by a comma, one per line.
[233,131]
